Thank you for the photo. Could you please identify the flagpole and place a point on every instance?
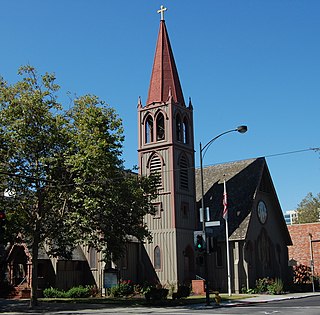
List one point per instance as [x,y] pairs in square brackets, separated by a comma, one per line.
[225,216]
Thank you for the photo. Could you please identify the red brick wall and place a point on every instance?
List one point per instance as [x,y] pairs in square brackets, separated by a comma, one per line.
[300,250]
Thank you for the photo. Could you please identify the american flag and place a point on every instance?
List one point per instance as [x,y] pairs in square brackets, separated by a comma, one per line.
[225,203]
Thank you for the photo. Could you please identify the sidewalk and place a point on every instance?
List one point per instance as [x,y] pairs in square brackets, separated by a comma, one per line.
[22,306]
[256,298]
[263,298]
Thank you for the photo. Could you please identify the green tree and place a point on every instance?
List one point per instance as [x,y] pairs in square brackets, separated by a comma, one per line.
[309,209]
[65,171]
[111,202]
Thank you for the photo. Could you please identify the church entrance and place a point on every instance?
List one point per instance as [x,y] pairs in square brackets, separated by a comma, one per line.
[18,266]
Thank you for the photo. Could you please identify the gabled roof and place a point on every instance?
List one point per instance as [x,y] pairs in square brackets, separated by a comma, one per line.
[18,247]
[164,78]
[243,179]
[77,253]
[215,175]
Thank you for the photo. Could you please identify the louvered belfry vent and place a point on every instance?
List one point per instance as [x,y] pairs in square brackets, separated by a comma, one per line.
[156,168]
[184,178]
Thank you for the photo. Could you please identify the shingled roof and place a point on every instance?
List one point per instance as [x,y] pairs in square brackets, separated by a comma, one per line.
[242,180]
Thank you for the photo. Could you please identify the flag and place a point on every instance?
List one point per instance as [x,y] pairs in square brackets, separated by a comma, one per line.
[225,204]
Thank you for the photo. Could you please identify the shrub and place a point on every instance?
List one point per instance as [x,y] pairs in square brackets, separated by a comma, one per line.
[124,288]
[94,291]
[302,274]
[267,285]
[262,285]
[53,293]
[73,293]
[275,287]
[78,292]
[171,286]
[142,289]
[156,294]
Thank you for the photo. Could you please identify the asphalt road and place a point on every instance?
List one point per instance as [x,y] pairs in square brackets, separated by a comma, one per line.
[305,306]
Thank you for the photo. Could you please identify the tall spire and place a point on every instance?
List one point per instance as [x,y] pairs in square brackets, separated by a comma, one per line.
[164,75]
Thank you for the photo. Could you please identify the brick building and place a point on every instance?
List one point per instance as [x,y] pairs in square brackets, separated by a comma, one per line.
[300,250]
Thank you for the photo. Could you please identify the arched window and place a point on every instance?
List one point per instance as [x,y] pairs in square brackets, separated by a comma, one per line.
[124,259]
[185,131]
[184,172]
[156,168]
[92,258]
[157,258]
[178,127]
[149,129]
[160,127]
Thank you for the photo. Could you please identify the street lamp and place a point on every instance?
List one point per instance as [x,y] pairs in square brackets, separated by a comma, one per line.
[203,150]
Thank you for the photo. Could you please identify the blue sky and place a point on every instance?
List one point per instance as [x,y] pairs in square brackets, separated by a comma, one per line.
[242,62]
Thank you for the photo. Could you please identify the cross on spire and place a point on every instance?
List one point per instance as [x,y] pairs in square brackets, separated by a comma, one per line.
[161,11]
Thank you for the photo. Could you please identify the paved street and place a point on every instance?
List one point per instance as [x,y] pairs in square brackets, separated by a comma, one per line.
[307,304]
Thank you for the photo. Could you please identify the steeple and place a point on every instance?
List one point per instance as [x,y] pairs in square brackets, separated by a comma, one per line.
[164,75]
[165,143]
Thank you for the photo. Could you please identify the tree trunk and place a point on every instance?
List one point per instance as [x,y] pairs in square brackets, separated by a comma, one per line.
[34,276]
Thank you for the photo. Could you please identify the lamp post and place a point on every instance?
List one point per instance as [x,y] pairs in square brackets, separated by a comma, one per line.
[241,129]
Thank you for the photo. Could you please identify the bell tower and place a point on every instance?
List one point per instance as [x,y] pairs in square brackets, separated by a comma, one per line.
[166,147]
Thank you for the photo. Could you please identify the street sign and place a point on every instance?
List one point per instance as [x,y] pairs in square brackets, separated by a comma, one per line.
[212,223]
[206,214]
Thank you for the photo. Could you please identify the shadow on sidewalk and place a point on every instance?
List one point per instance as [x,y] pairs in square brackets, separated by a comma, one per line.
[22,306]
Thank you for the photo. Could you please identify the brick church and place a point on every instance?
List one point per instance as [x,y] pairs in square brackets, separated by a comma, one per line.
[258,235]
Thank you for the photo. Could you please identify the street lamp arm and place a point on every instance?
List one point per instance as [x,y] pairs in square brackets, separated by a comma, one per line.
[241,129]
[214,139]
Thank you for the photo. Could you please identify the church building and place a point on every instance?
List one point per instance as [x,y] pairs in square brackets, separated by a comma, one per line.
[258,235]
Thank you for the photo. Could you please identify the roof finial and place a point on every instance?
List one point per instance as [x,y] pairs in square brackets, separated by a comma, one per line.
[161,11]
[170,94]
[139,102]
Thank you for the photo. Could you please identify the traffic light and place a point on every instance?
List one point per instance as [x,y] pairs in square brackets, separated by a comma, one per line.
[2,218]
[199,241]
